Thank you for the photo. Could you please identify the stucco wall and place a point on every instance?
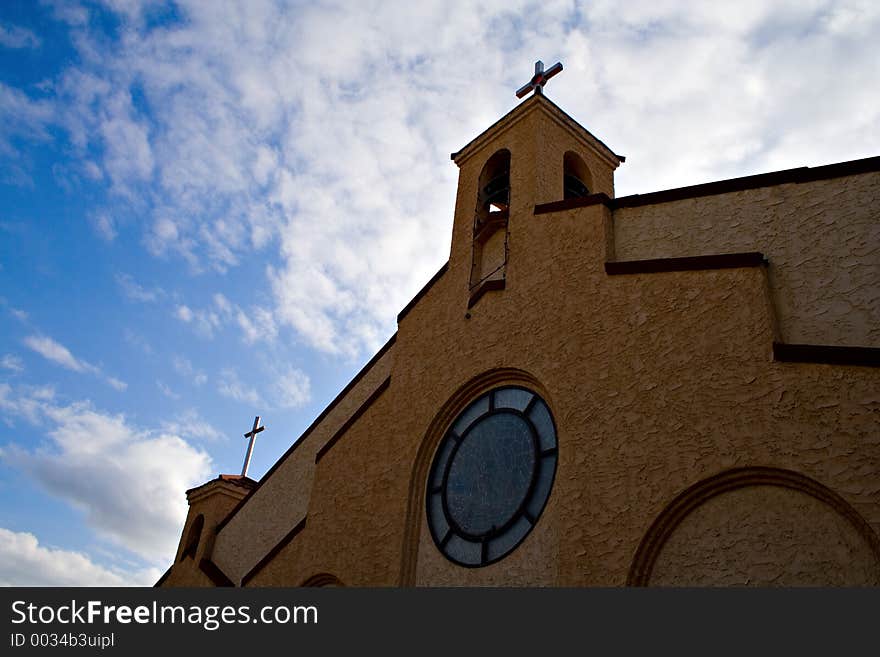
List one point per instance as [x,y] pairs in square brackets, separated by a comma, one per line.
[766,536]
[656,382]
[822,239]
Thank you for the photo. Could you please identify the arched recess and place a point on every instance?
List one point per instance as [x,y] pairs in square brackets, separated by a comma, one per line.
[577,180]
[322,579]
[422,465]
[728,481]
[493,194]
[489,250]
[193,536]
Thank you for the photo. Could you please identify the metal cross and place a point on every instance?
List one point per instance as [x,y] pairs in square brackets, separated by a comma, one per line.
[252,434]
[539,79]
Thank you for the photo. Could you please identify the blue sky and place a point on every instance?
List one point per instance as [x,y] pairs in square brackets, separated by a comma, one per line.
[213,210]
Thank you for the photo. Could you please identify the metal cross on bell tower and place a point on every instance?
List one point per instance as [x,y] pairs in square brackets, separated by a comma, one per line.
[539,79]
[252,434]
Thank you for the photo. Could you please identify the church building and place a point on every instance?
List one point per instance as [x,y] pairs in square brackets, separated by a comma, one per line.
[673,388]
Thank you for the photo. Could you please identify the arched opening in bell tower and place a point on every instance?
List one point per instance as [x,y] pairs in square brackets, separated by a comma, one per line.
[576,179]
[490,220]
[494,186]
[193,537]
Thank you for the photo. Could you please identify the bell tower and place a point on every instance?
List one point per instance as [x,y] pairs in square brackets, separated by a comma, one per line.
[534,154]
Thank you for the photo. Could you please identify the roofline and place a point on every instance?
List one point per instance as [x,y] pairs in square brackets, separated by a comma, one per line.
[235,480]
[161,580]
[796,175]
[427,286]
[533,100]
[786,176]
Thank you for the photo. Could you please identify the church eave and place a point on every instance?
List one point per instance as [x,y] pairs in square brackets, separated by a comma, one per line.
[233,485]
[743,183]
[520,112]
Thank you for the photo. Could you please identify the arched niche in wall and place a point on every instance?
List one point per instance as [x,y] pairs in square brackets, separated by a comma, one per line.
[577,180]
[758,526]
[193,536]
[322,580]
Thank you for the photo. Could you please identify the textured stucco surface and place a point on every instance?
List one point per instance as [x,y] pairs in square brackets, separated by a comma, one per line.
[656,381]
[822,240]
[766,536]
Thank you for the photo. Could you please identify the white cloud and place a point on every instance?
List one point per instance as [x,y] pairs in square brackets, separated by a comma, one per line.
[184,314]
[68,11]
[21,118]
[205,322]
[27,403]
[116,383]
[104,225]
[128,481]
[190,424]
[165,390]
[137,292]
[223,304]
[20,315]
[229,386]
[58,354]
[12,363]
[24,562]
[286,388]
[185,368]
[339,179]
[13,36]
[257,324]
[137,340]
[93,172]
[292,389]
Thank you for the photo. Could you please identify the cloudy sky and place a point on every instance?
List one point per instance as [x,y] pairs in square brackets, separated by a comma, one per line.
[211,210]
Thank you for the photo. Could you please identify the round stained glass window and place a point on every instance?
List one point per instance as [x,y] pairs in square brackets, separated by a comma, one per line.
[491,476]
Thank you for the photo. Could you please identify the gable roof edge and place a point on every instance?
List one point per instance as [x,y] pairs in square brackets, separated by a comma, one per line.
[523,110]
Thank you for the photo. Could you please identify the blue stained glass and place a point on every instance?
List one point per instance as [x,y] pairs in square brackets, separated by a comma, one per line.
[440,461]
[490,474]
[470,414]
[540,415]
[546,470]
[440,525]
[489,481]
[513,398]
[465,551]
[500,546]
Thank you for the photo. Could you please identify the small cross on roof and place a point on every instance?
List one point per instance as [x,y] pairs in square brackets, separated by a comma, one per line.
[252,436]
[539,79]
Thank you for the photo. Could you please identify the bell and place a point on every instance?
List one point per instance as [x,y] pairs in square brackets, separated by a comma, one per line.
[497,192]
[574,188]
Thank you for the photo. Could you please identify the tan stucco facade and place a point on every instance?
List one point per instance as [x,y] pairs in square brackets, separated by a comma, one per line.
[689,451]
